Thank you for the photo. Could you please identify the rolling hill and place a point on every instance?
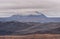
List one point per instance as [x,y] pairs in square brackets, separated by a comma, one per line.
[24,28]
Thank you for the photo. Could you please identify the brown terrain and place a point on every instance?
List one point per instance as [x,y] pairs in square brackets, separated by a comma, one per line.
[33,36]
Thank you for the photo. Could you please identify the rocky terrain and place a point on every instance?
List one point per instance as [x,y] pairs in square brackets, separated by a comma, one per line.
[25,28]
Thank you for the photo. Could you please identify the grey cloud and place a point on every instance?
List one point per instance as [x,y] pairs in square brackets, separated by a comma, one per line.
[48,7]
[18,4]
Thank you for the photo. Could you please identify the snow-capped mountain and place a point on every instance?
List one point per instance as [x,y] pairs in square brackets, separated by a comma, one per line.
[30,18]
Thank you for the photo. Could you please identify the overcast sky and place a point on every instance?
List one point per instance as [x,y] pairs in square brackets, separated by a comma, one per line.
[50,8]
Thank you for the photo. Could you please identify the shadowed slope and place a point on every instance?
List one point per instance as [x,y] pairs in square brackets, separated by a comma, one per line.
[20,28]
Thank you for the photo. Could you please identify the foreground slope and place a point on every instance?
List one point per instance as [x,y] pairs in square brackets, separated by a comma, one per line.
[21,28]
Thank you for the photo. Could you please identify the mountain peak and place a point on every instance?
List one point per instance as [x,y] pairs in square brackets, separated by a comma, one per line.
[38,14]
[30,18]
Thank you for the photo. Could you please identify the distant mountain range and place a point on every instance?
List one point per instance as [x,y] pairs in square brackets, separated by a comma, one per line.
[30,18]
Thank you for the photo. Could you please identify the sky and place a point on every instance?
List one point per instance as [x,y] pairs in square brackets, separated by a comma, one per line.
[50,8]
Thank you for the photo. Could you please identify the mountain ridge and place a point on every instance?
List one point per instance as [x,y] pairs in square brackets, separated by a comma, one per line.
[30,18]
